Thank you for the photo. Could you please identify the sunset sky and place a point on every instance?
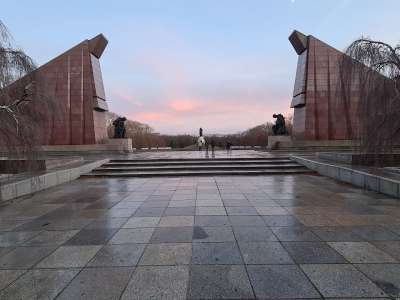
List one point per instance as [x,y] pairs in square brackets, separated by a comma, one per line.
[180,65]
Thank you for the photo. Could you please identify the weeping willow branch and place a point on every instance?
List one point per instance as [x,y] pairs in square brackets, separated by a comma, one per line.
[27,106]
[370,83]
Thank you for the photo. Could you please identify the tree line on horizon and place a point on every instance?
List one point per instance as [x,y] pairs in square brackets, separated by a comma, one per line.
[144,136]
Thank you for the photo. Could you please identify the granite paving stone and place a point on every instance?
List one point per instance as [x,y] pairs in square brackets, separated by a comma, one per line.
[241,211]
[394,228]
[102,204]
[257,253]
[120,212]
[128,204]
[280,281]
[69,257]
[236,202]
[97,283]
[211,221]
[132,235]
[167,254]
[24,257]
[91,237]
[182,203]
[210,211]
[375,233]
[172,235]
[39,284]
[10,224]
[4,250]
[9,239]
[92,213]
[263,202]
[8,276]
[51,238]
[125,255]
[271,211]
[180,211]
[176,221]
[281,221]
[294,233]
[158,282]
[162,204]
[232,196]
[341,281]
[361,252]
[213,234]
[212,198]
[149,212]
[217,203]
[107,223]
[385,276]
[246,221]
[337,234]
[316,220]
[219,282]
[66,224]
[216,253]
[391,248]
[137,222]
[312,253]
[253,234]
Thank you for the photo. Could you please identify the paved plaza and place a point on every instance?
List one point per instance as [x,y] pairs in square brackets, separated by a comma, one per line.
[272,237]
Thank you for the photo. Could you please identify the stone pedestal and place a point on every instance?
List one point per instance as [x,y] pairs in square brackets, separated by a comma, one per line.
[124,145]
[274,140]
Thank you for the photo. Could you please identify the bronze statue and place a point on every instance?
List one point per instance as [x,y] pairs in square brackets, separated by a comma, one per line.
[119,130]
[280,127]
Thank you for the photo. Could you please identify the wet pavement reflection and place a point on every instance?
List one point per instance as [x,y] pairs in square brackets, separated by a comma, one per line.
[297,236]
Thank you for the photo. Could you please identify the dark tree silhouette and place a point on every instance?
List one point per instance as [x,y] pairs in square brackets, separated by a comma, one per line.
[25,105]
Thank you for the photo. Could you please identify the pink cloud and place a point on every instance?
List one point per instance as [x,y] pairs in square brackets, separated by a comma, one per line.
[149,117]
[215,116]
[183,105]
[183,90]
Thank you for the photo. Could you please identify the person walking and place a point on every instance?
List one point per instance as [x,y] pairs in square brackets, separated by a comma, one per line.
[228,147]
[201,142]
[212,143]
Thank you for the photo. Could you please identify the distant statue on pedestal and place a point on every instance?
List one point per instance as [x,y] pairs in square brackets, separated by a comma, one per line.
[201,131]
[280,127]
[119,128]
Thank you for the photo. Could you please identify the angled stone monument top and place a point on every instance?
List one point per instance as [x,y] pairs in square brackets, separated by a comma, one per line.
[318,112]
[74,81]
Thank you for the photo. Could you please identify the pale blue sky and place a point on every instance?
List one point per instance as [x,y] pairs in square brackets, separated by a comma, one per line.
[178,65]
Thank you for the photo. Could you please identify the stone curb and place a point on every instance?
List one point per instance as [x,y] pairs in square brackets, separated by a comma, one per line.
[358,178]
[45,181]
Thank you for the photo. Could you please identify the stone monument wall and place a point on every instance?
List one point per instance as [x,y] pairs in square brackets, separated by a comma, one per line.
[74,82]
[318,113]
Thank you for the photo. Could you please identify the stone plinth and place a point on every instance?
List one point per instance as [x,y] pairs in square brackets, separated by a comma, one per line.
[275,140]
[108,145]
[125,145]
[384,159]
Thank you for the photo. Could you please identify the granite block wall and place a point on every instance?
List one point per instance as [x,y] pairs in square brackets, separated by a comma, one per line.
[318,113]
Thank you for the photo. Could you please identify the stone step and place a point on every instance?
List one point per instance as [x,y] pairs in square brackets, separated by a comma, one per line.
[196,162]
[232,166]
[199,167]
[199,159]
[169,173]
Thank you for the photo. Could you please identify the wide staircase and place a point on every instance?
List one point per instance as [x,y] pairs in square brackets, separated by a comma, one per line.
[199,167]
